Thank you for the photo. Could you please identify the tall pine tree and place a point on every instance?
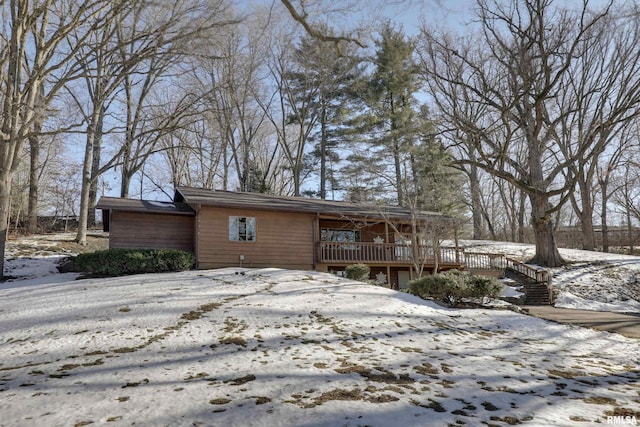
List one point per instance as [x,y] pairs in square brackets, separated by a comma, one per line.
[388,127]
[323,82]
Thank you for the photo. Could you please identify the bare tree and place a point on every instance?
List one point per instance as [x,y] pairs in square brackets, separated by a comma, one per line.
[515,68]
[228,83]
[628,197]
[608,172]
[33,54]
[291,111]
[602,98]
[35,168]
[150,38]
[102,73]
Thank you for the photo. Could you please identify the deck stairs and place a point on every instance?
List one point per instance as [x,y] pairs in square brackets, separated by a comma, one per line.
[535,281]
[535,293]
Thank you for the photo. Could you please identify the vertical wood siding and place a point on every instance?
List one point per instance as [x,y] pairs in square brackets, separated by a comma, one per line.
[154,231]
[283,239]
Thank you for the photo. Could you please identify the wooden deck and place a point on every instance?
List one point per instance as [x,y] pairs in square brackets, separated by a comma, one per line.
[383,254]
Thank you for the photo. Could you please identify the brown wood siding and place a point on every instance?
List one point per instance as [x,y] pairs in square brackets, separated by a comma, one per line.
[283,240]
[156,231]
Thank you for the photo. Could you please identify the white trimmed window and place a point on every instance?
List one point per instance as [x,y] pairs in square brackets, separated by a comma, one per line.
[242,229]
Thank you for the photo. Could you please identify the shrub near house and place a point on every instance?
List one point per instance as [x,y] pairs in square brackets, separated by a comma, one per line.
[454,287]
[357,272]
[120,262]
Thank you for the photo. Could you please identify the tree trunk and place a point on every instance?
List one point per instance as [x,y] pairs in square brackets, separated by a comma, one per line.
[586,217]
[95,168]
[296,179]
[323,152]
[5,207]
[125,178]
[521,221]
[396,162]
[603,218]
[588,235]
[34,157]
[629,223]
[225,168]
[476,203]
[81,236]
[125,183]
[547,254]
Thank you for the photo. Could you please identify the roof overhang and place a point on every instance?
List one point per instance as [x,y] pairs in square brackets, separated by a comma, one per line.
[326,208]
[148,206]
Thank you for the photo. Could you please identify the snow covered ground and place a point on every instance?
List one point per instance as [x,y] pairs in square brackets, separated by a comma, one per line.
[269,347]
[33,260]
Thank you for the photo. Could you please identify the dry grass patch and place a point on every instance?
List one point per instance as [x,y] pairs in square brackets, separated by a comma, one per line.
[339,394]
[577,418]
[136,384]
[489,406]
[410,349]
[619,411]
[94,243]
[512,421]
[433,404]
[70,366]
[199,376]
[241,380]
[556,373]
[599,400]
[236,340]
[427,369]
[261,400]
[126,349]
[192,315]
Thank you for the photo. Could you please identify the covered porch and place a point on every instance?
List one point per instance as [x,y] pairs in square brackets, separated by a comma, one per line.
[393,250]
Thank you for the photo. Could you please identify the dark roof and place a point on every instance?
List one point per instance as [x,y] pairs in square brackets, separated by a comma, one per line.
[134,205]
[230,199]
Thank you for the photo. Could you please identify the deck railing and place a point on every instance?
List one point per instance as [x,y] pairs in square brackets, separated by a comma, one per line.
[397,253]
[383,253]
[489,261]
[483,261]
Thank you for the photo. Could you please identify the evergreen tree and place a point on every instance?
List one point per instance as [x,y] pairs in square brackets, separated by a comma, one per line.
[435,184]
[323,84]
[389,125]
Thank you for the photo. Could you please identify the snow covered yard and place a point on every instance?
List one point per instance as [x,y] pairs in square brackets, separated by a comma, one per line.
[272,347]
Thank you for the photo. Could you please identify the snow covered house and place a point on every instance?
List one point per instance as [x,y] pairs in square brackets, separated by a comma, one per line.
[226,229]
